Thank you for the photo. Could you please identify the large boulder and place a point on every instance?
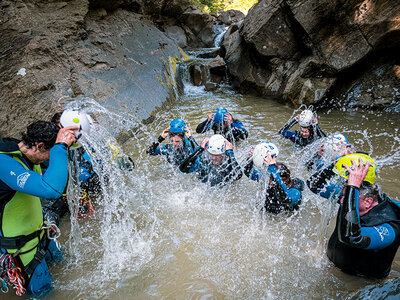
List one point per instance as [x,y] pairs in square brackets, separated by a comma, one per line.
[324,41]
[60,50]
[177,34]
[266,29]
[201,24]
[230,16]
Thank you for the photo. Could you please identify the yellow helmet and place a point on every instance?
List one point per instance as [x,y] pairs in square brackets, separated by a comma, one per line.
[340,168]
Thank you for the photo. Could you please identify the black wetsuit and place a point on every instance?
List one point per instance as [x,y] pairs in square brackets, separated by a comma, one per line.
[365,245]
[233,133]
[174,156]
[219,175]
[276,198]
[295,136]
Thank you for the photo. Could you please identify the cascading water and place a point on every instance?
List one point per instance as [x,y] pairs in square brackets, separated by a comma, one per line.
[158,233]
[219,34]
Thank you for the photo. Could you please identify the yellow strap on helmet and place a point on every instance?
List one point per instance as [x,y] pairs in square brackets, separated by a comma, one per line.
[340,168]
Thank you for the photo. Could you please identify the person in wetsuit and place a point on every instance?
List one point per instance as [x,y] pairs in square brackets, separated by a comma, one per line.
[21,186]
[222,122]
[332,147]
[309,129]
[367,232]
[217,166]
[181,145]
[283,192]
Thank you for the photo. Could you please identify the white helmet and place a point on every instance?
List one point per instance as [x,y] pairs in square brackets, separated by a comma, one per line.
[335,142]
[306,118]
[260,153]
[76,118]
[216,144]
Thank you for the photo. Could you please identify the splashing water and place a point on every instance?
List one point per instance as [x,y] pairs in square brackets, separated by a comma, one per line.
[158,233]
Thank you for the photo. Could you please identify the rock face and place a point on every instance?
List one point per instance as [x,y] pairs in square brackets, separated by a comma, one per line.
[299,50]
[51,51]
[230,17]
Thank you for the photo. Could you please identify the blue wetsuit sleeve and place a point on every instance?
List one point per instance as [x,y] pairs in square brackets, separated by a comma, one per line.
[238,130]
[293,194]
[284,131]
[50,185]
[251,172]
[381,236]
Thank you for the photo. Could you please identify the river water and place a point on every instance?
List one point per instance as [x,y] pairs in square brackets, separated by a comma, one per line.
[161,234]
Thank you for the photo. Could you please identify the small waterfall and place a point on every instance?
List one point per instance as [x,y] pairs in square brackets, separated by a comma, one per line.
[219,34]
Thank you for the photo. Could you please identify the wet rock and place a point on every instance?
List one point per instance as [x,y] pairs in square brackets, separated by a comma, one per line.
[216,64]
[230,16]
[266,29]
[199,74]
[177,34]
[210,86]
[117,58]
[324,41]
[210,53]
[108,5]
[201,24]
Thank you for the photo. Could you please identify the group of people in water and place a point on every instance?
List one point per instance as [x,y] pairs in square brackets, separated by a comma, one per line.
[364,242]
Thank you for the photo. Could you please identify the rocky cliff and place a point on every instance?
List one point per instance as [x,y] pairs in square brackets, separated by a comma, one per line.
[318,52]
[53,50]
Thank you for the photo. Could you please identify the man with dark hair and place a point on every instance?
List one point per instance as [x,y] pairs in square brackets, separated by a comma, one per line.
[22,237]
[366,237]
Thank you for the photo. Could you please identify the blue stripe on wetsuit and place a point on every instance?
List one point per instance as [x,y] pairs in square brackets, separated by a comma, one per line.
[51,185]
[381,236]
[239,125]
[293,194]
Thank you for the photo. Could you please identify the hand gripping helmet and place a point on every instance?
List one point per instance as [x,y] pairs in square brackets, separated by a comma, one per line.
[336,142]
[306,118]
[216,144]
[260,153]
[340,168]
[76,118]
[177,126]
[219,115]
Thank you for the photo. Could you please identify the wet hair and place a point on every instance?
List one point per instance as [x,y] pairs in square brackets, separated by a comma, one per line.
[56,117]
[284,172]
[40,131]
[368,190]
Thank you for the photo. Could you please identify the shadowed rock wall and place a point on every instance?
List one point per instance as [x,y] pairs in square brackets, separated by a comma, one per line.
[301,50]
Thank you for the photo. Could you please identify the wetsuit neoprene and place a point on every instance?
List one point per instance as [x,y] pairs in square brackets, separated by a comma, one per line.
[21,185]
[174,156]
[278,197]
[365,245]
[235,132]
[295,136]
[215,175]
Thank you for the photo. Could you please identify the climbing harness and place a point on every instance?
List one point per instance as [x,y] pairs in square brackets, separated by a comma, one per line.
[10,271]
[85,207]
[10,274]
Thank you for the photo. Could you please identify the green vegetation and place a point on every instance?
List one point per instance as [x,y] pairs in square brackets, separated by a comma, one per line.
[216,5]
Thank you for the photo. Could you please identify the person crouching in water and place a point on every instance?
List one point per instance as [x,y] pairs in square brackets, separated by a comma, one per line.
[222,122]
[181,145]
[216,166]
[309,129]
[283,193]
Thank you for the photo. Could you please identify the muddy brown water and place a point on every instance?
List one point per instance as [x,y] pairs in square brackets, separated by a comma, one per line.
[160,234]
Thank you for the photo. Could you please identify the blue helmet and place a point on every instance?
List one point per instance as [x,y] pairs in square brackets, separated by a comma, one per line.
[177,126]
[219,115]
